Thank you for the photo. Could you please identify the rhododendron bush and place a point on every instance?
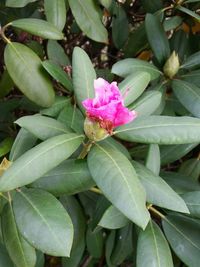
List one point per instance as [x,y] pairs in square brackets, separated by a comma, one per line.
[100,133]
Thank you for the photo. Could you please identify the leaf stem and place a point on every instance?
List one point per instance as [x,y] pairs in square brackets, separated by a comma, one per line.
[155,211]
[86,149]
[95,190]
[2,195]
[2,33]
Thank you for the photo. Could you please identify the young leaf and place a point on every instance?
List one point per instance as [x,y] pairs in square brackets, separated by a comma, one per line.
[152,248]
[25,68]
[183,235]
[37,161]
[118,181]
[189,95]
[21,253]
[128,66]
[55,11]
[38,27]
[83,76]
[133,86]
[161,130]
[43,127]
[157,38]
[39,214]
[87,17]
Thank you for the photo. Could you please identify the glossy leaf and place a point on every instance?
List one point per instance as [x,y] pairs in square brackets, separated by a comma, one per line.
[128,66]
[157,38]
[161,130]
[118,176]
[23,142]
[113,219]
[192,200]
[189,95]
[18,3]
[133,86]
[42,127]
[153,249]
[48,219]
[37,161]
[55,12]
[83,76]
[172,153]
[58,74]
[21,252]
[38,27]
[34,82]
[183,236]
[57,54]
[158,191]
[70,177]
[88,19]
[147,103]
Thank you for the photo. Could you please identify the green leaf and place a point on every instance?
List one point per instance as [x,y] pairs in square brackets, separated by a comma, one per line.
[172,153]
[183,236]
[5,146]
[192,200]
[153,159]
[120,27]
[6,84]
[72,117]
[113,219]
[37,161]
[152,248]
[70,177]
[18,3]
[158,191]
[189,95]
[157,38]
[25,68]
[38,27]
[23,142]
[42,127]
[79,223]
[133,86]
[192,77]
[60,103]
[147,103]
[57,54]
[83,76]
[161,130]
[58,74]
[152,6]
[87,17]
[39,214]
[94,242]
[21,253]
[118,181]
[110,242]
[189,12]
[123,245]
[191,168]
[55,11]
[192,61]
[4,258]
[128,66]
[172,23]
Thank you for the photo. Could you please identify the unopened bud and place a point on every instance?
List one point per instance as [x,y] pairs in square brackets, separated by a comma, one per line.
[93,130]
[172,65]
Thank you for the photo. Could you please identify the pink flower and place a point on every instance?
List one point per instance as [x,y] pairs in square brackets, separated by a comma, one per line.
[107,107]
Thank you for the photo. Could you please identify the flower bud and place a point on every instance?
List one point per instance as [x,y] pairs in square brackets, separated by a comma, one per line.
[94,131]
[172,65]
